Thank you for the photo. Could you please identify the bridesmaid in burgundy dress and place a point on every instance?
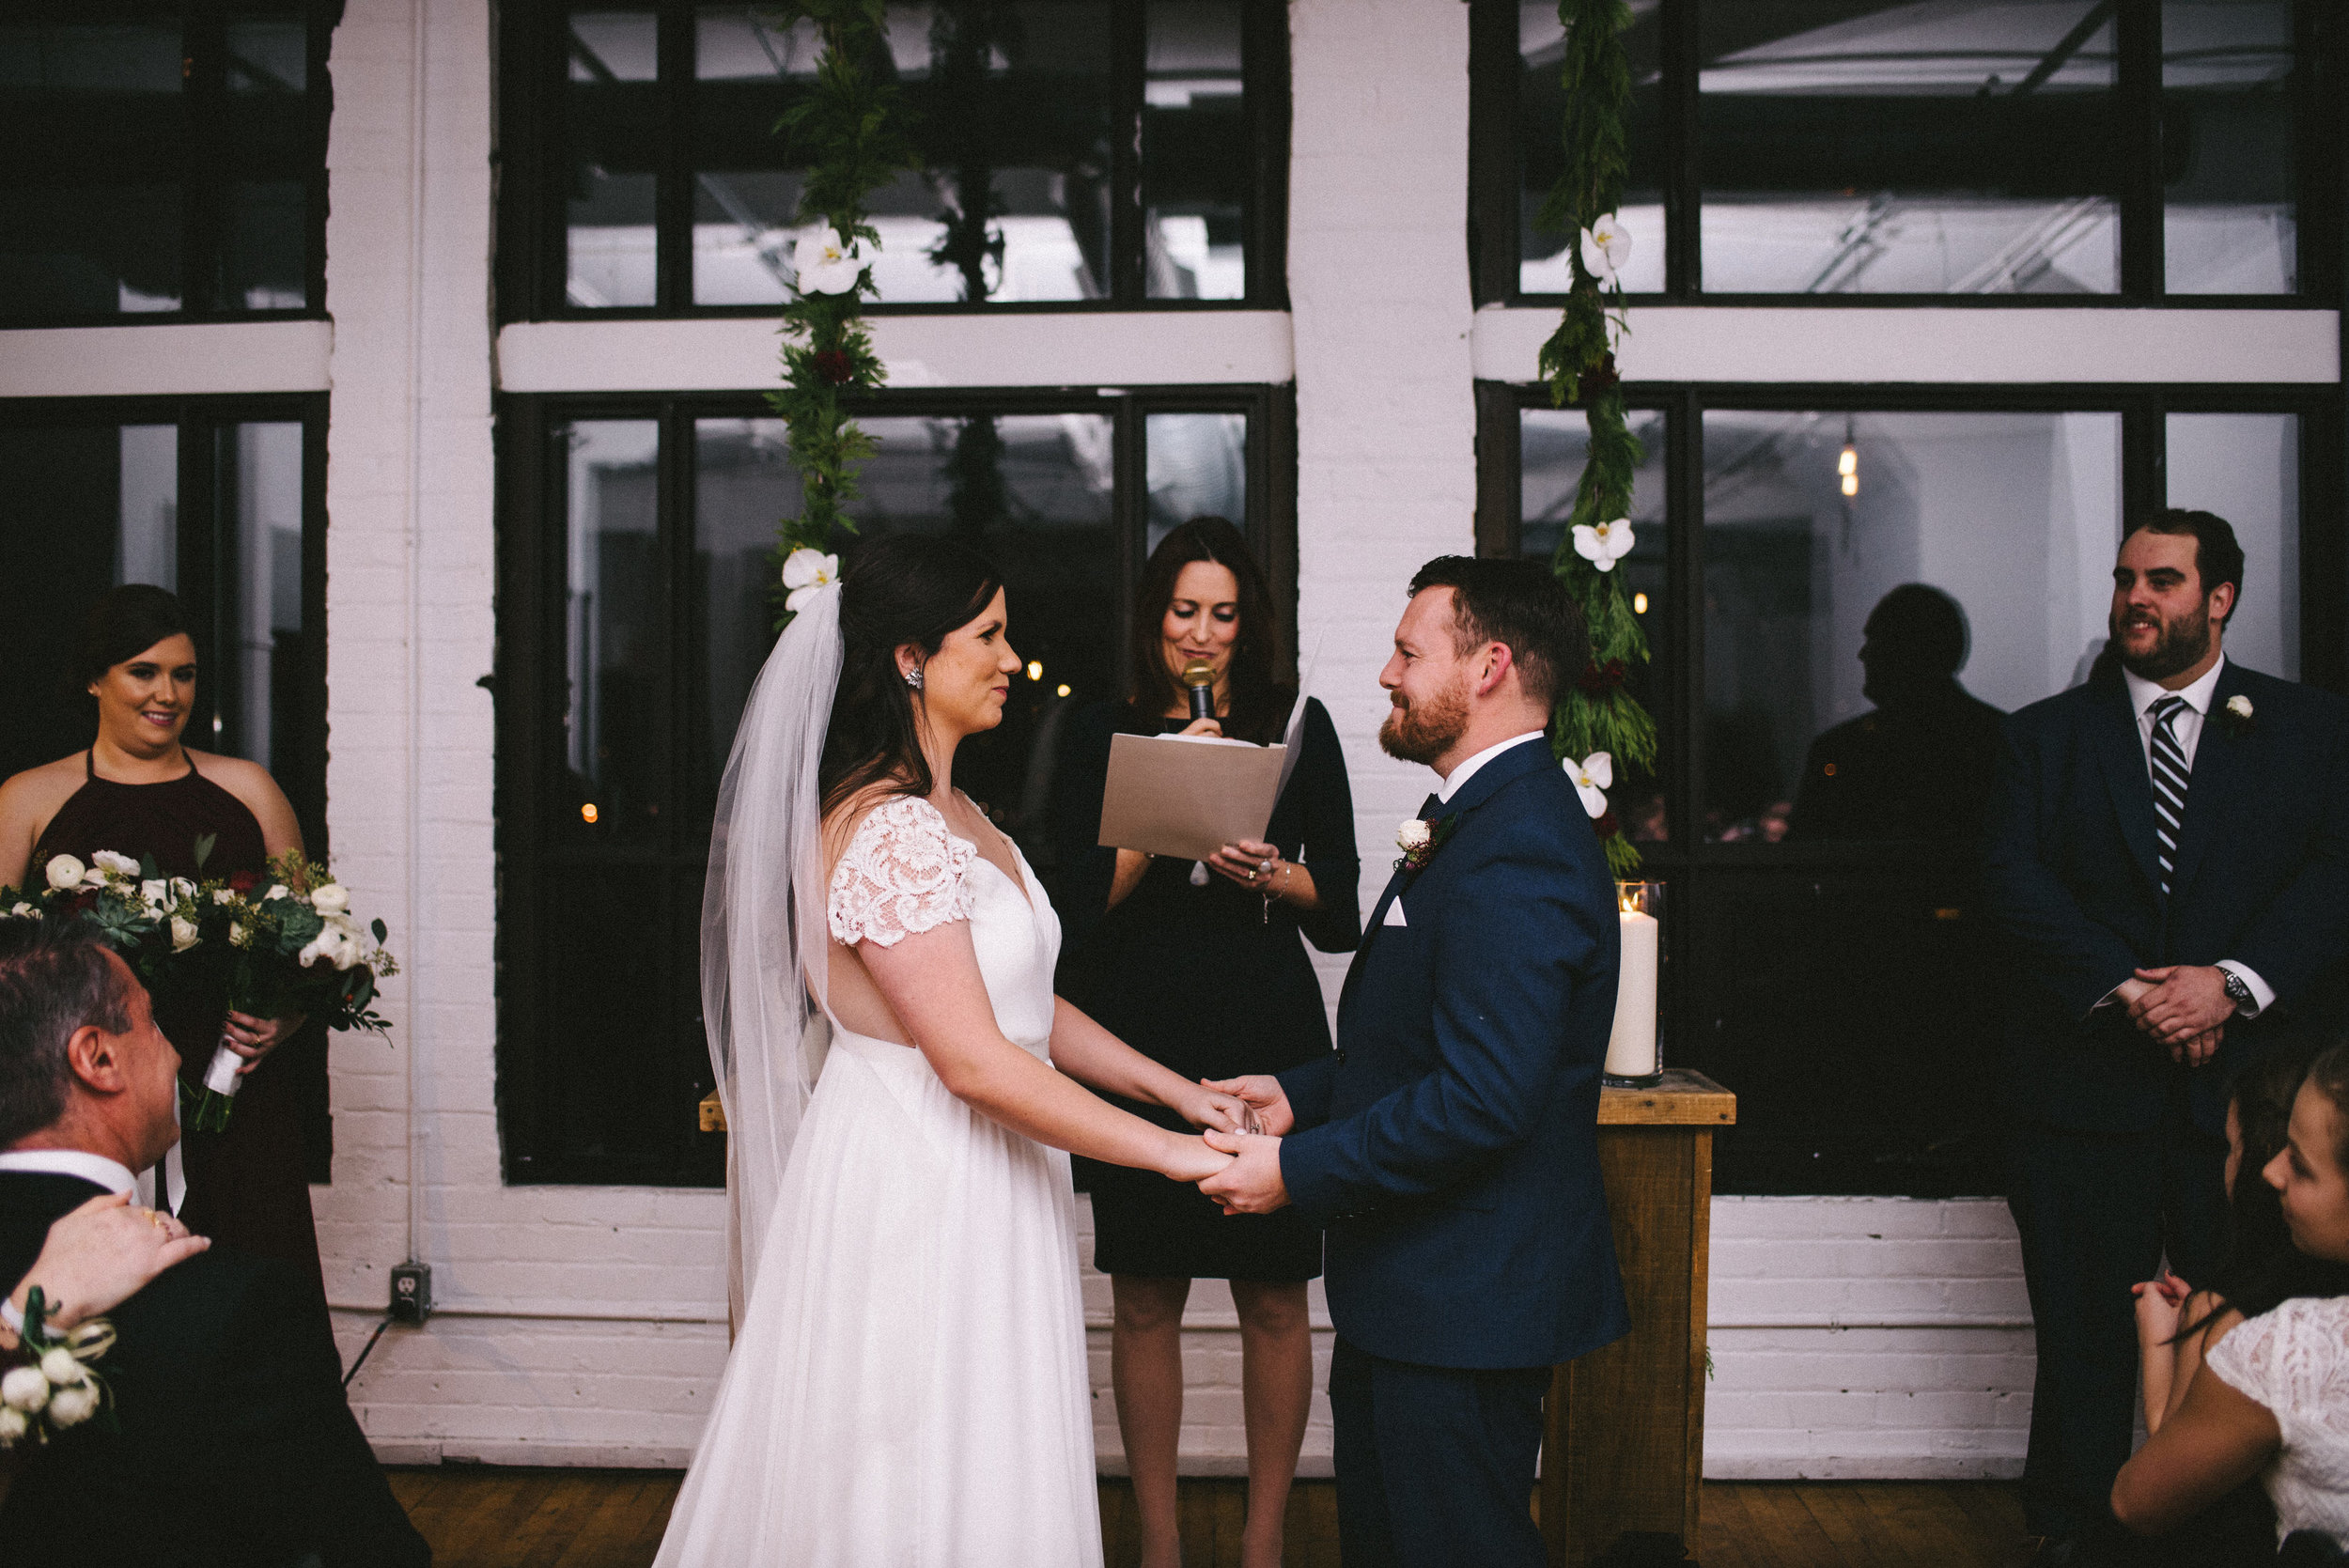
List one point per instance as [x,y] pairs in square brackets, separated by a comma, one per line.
[139,792]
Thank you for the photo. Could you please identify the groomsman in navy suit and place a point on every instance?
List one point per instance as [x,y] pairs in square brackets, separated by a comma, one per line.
[1450,1143]
[2169,852]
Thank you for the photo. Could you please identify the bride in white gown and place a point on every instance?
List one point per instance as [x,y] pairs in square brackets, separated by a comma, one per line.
[907,1384]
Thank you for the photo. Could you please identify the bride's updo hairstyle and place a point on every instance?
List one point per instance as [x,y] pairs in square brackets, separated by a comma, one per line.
[899,589]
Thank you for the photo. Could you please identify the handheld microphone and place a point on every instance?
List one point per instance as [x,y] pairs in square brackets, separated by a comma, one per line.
[1199,679]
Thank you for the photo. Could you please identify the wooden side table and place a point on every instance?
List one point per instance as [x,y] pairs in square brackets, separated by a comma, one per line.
[1623,1453]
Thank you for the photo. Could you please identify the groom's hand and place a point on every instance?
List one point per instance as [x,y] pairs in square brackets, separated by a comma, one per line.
[1251,1183]
[2185,1000]
[1265,1095]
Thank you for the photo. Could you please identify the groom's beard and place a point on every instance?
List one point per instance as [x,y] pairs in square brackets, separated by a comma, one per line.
[1423,731]
[2179,646]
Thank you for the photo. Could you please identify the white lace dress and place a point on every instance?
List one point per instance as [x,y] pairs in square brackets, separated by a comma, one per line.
[909,1386]
[2294,1361]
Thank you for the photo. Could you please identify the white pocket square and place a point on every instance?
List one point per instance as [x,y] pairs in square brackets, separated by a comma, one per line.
[1394,914]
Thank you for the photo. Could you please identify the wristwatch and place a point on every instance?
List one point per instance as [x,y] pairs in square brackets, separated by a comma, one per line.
[2239,992]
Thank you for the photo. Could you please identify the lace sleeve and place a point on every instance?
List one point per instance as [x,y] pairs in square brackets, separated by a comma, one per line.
[903,872]
[2294,1361]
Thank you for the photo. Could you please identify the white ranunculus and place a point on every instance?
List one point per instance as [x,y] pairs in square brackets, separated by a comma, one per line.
[1602,544]
[122,865]
[1591,776]
[183,934]
[331,900]
[60,1368]
[24,1389]
[1412,835]
[806,573]
[72,1407]
[12,1425]
[65,872]
[1606,247]
[238,935]
[825,265]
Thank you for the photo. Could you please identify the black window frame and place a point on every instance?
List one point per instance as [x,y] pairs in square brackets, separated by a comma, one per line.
[206,555]
[531,269]
[528,680]
[2320,38]
[1745,1162]
[205,169]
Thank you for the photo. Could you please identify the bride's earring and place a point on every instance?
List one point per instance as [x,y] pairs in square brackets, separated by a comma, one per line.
[913,678]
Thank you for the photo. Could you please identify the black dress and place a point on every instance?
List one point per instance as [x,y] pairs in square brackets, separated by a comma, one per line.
[1205,981]
[248,1184]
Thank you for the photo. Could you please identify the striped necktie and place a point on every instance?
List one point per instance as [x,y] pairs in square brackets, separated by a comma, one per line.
[2171,772]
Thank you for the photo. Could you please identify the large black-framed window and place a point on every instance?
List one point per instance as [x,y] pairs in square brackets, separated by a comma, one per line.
[170,159]
[635,609]
[1815,810]
[2054,152]
[221,499]
[1074,154]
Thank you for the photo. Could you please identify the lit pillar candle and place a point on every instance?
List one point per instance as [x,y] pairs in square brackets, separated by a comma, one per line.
[1631,1047]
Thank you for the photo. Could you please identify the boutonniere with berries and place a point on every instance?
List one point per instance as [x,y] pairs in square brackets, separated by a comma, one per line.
[1420,840]
[2236,715]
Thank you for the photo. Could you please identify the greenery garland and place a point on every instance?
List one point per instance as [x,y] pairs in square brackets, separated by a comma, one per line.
[850,128]
[1597,714]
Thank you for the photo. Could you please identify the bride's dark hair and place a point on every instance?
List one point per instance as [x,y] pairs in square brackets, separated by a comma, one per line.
[899,589]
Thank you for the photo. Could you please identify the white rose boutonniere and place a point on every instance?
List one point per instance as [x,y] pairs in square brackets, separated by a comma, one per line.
[1411,836]
[2236,714]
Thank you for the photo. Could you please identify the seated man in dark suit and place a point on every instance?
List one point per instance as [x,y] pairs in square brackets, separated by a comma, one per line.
[234,1444]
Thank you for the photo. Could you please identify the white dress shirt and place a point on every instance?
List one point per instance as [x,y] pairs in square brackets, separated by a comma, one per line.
[2187,728]
[107,1173]
[1457,779]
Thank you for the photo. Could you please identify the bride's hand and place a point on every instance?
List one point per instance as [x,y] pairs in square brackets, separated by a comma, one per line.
[1203,1107]
[1190,1159]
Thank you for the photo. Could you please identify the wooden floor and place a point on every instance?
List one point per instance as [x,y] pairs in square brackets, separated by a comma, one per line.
[481,1517]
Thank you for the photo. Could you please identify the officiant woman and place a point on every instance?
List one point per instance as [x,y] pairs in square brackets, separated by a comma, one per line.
[138,791]
[1200,964]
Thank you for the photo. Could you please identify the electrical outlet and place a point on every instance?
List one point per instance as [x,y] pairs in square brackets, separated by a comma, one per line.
[412,1292]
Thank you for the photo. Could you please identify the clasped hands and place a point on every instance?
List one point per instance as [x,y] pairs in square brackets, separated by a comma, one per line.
[1250,1181]
[2183,1006]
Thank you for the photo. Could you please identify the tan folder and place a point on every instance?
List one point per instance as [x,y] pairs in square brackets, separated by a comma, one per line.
[1189,796]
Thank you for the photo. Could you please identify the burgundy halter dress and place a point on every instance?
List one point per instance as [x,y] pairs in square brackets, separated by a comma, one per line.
[246,1184]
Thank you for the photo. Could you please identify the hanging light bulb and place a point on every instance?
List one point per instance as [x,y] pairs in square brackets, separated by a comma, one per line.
[1847,461]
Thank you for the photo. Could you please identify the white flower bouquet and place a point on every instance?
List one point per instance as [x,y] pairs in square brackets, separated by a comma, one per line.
[282,943]
[48,1385]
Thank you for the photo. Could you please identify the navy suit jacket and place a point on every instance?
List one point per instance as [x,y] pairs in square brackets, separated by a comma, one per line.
[2260,876]
[1450,1143]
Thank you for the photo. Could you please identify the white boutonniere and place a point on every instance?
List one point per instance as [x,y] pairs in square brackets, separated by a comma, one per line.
[1419,840]
[2239,713]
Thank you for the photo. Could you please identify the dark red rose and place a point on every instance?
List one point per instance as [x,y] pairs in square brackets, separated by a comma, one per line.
[243,881]
[1599,379]
[1607,825]
[1600,679]
[835,365]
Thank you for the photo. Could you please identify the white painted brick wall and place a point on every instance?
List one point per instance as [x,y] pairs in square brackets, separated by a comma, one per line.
[584,1325]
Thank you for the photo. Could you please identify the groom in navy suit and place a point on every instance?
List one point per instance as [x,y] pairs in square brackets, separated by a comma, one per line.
[2169,853]
[1450,1143]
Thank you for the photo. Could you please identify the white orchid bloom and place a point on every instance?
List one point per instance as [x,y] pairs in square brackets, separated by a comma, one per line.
[121,865]
[1591,776]
[1603,544]
[806,573]
[1606,249]
[825,264]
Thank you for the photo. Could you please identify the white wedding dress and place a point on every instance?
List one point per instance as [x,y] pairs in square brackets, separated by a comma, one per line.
[907,1386]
